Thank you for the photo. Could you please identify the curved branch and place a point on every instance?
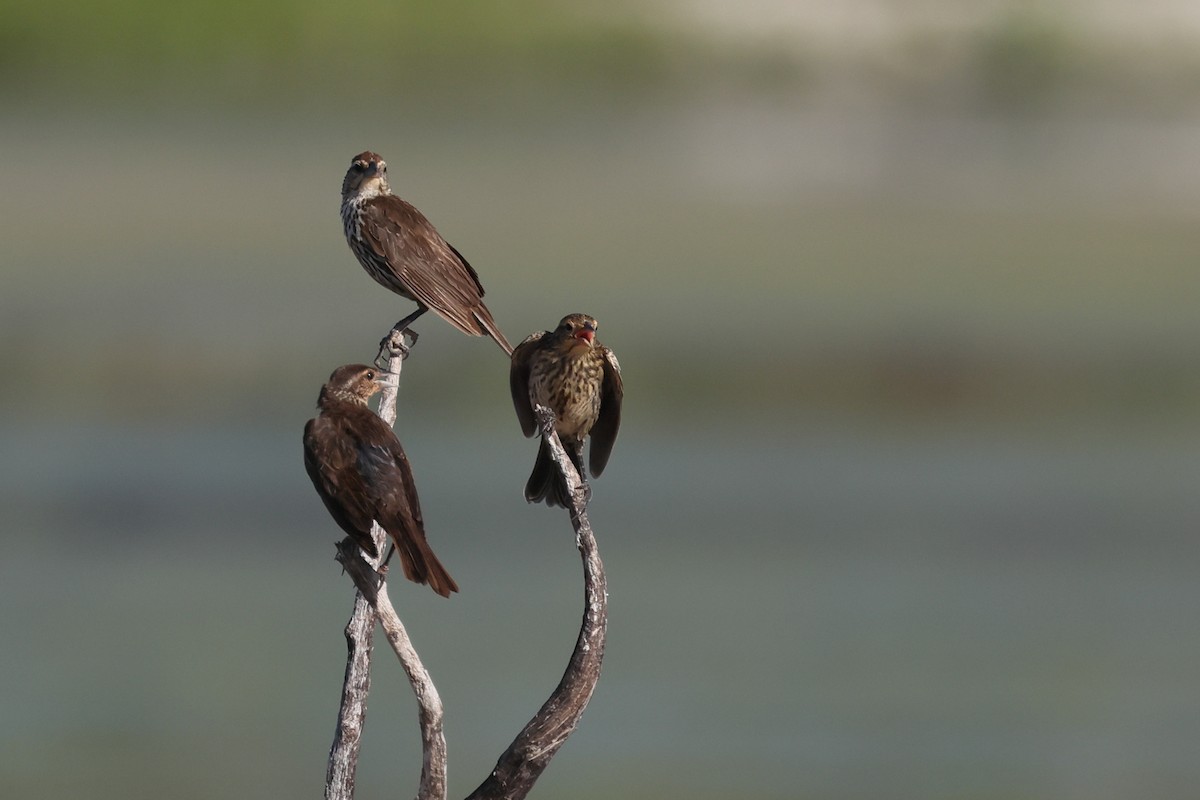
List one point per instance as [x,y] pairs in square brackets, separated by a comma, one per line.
[371,603]
[519,767]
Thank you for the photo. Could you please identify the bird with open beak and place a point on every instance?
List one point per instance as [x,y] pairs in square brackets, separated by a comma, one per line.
[570,372]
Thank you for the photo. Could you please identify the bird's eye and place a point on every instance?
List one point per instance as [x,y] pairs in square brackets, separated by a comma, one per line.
[358,166]
[370,375]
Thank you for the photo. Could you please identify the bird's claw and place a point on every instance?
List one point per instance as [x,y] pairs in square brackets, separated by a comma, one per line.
[545,416]
[393,345]
[383,568]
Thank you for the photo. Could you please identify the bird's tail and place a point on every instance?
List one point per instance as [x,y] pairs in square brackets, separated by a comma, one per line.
[439,579]
[546,483]
[484,317]
[422,566]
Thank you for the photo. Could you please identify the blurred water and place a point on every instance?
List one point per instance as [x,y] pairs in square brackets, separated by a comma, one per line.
[904,505]
[820,613]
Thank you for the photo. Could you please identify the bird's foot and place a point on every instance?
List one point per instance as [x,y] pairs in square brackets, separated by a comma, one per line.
[546,418]
[382,570]
[393,345]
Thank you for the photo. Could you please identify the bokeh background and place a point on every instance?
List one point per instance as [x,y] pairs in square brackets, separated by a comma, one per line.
[905,503]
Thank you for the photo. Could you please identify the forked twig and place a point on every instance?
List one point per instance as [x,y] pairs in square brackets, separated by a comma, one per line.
[371,603]
[518,767]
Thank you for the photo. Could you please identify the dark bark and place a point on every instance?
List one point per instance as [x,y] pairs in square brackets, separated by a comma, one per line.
[519,767]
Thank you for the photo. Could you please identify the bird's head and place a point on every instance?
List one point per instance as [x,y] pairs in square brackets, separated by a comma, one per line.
[367,177]
[353,383]
[579,330]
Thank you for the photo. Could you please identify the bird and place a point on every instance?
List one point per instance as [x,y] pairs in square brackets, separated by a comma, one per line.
[360,471]
[401,250]
[579,379]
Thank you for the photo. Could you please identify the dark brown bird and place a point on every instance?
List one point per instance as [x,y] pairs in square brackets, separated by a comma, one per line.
[361,473]
[577,378]
[401,249]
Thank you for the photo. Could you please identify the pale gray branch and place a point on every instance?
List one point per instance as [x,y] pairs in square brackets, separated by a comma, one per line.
[371,603]
[433,739]
[347,738]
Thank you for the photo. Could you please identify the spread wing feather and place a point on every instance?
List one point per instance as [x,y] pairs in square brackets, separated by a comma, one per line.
[518,382]
[604,432]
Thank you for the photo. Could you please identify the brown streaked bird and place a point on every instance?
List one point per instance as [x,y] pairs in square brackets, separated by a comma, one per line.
[401,250]
[361,473]
[577,378]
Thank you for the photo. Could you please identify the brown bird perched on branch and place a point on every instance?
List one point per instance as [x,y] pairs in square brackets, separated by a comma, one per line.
[577,378]
[361,473]
[401,249]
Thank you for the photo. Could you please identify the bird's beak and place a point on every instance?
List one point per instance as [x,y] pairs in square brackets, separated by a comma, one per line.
[586,334]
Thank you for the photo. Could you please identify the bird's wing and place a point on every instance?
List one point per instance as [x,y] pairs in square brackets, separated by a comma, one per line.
[480,312]
[331,462]
[471,270]
[604,432]
[518,382]
[436,274]
[388,478]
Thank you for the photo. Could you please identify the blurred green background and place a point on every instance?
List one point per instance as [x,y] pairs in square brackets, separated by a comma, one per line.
[904,505]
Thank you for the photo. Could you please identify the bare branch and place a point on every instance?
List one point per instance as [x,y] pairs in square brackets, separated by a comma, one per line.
[343,755]
[433,740]
[519,767]
[371,603]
